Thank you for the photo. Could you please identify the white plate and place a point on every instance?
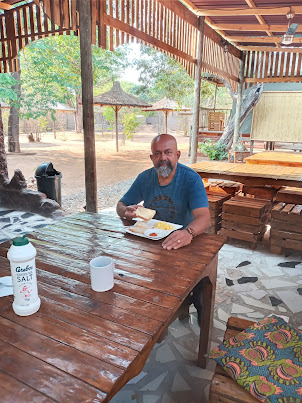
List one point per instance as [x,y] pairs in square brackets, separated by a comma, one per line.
[161,232]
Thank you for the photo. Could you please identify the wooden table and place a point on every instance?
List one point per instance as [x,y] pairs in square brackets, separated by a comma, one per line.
[250,175]
[83,345]
[276,158]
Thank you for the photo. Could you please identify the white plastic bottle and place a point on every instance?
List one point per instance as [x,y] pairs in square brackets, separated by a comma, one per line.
[23,268]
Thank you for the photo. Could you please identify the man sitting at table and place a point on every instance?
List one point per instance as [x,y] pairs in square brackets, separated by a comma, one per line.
[175,191]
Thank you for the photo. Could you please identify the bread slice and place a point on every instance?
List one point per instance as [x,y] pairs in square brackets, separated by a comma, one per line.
[145,213]
[139,227]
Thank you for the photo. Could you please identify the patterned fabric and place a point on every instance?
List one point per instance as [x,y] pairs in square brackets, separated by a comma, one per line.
[266,360]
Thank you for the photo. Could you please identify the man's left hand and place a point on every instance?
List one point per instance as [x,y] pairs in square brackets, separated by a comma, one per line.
[177,240]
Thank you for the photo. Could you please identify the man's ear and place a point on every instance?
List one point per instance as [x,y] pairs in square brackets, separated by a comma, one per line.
[178,154]
[151,155]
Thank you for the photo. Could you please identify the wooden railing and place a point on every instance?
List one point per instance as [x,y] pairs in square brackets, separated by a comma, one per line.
[163,24]
[273,67]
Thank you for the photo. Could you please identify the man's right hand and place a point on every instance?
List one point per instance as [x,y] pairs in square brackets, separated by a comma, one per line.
[130,211]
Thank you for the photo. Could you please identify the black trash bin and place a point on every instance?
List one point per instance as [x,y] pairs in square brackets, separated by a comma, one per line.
[49,181]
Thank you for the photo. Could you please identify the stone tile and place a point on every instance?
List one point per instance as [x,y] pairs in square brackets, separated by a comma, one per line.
[219,325]
[167,399]
[236,308]
[222,315]
[253,302]
[255,315]
[292,299]
[177,329]
[258,294]
[179,384]
[293,272]
[151,399]
[136,379]
[200,373]
[124,396]
[165,354]
[281,309]
[155,383]
[185,353]
[192,309]
[238,288]
[277,283]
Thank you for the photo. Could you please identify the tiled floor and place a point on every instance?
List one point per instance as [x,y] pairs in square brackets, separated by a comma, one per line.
[251,284]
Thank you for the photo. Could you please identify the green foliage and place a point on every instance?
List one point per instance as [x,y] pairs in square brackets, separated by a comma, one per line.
[109,115]
[43,124]
[130,124]
[215,151]
[7,94]
[51,72]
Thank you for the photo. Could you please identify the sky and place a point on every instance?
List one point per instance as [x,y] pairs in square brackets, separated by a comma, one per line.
[131,74]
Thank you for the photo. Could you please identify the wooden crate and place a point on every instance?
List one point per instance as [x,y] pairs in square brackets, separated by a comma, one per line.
[286,226]
[245,218]
[261,192]
[289,195]
[223,387]
[216,201]
[223,186]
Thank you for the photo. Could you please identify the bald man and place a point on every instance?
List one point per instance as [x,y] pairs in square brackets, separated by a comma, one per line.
[174,190]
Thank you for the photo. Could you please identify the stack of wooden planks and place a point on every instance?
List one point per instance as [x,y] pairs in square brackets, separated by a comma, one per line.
[286,222]
[245,218]
[223,387]
[225,187]
[216,201]
[261,192]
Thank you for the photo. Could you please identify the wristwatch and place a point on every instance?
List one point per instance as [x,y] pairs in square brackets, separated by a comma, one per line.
[191,232]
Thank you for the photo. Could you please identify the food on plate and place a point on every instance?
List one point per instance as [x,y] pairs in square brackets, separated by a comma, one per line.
[145,213]
[164,225]
[139,227]
[153,234]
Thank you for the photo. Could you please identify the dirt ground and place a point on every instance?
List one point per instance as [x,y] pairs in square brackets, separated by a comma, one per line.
[67,155]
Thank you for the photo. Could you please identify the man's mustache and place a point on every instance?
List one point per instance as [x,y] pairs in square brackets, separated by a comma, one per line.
[162,162]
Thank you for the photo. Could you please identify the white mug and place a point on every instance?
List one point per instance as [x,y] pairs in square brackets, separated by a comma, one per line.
[102,273]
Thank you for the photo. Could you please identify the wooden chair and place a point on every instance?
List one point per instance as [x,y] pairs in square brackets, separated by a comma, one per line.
[216,120]
[223,387]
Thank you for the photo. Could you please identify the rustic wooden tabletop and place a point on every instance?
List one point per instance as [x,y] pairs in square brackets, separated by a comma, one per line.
[83,345]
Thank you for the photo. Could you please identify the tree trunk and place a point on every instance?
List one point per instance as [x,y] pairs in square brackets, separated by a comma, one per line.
[3,161]
[78,114]
[13,119]
[248,103]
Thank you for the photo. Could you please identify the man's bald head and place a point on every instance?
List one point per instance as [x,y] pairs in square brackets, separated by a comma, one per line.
[164,154]
[164,138]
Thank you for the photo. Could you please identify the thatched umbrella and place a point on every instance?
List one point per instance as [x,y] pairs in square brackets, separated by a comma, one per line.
[165,105]
[117,98]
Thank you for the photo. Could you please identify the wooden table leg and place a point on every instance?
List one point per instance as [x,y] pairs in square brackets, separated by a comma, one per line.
[208,303]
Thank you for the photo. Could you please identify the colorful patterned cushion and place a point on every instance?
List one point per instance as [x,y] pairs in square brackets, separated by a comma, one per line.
[266,360]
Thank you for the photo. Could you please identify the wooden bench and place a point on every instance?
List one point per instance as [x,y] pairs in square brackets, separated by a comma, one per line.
[213,135]
[223,388]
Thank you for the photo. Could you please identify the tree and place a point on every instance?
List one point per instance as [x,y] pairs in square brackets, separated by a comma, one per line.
[51,73]
[13,119]
[6,95]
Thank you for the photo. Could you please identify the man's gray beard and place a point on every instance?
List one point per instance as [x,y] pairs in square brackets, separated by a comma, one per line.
[163,171]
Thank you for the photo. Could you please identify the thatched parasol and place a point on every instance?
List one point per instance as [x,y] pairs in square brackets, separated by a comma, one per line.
[165,105]
[117,98]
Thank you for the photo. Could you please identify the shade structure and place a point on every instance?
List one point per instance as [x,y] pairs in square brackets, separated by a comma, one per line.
[166,105]
[117,98]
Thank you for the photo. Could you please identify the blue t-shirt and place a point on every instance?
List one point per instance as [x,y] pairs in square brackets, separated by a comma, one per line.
[173,202]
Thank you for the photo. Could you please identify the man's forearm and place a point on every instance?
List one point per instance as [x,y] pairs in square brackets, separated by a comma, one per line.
[120,209]
[200,223]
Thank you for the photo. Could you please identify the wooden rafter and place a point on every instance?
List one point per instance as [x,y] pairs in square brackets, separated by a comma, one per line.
[252,27]
[249,11]
[261,39]
[4,6]
[270,49]
[260,19]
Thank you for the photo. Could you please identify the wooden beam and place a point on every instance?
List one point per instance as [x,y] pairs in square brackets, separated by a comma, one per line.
[261,39]
[87,101]
[274,80]
[249,11]
[270,49]
[252,27]
[239,102]
[197,83]
[4,6]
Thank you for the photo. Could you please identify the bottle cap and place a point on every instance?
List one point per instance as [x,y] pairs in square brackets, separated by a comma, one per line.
[20,241]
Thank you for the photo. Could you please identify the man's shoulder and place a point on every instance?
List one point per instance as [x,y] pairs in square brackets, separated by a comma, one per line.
[147,174]
[187,171]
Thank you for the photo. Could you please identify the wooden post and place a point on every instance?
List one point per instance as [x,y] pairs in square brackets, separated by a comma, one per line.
[87,101]
[166,113]
[215,96]
[195,121]
[239,101]
[116,127]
